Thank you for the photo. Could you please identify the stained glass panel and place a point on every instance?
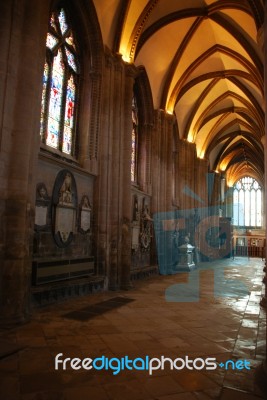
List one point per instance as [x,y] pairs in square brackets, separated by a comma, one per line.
[70,40]
[52,22]
[134,139]
[62,21]
[55,104]
[44,92]
[69,116]
[51,41]
[71,60]
[67,140]
[59,85]
[133,157]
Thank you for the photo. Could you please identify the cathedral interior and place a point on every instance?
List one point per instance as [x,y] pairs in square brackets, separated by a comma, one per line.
[132,199]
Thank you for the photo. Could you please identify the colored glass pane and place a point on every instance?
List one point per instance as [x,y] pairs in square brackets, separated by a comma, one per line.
[55,104]
[44,95]
[52,22]
[67,140]
[134,139]
[59,85]
[69,116]
[133,157]
[70,41]
[71,60]
[51,41]
[62,21]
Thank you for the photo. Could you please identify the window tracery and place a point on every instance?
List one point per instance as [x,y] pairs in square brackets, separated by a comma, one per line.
[247,203]
[60,85]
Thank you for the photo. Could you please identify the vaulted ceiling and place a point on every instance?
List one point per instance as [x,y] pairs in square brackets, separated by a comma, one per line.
[204,65]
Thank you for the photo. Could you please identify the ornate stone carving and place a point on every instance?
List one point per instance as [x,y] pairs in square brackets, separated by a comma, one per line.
[146,228]
[135,224]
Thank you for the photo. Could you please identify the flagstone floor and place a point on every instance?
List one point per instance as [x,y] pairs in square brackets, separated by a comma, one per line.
[212,312]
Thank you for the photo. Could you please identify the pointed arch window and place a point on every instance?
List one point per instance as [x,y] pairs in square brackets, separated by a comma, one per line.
[134,141]
[60,86]
[247,203]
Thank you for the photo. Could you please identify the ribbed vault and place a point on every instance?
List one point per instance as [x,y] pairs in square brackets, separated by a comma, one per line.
[204,64]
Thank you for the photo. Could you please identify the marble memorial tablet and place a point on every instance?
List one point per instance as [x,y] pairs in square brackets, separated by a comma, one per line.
[64,208]
[40,215]
[85,220]
[135,237]
[65,221]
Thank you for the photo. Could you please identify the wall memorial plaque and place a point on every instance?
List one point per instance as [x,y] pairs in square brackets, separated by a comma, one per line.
[135,237]
[85,215]
[40,215]
[64,208]
[42,207]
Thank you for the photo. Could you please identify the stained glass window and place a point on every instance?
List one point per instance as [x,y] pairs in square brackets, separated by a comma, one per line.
[134,140]
[60,82]
[247,203]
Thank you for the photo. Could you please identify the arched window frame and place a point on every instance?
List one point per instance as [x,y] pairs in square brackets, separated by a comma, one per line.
[60,43]
[247,203]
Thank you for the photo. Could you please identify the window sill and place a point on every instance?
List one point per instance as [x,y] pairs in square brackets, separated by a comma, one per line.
[57,154]
[57,158]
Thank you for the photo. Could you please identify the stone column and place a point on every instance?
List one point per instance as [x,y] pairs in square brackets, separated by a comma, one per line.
[22,60]
[186,172]
[103,181]
[262,37]
[155,163]
[125,166]
[162,163]
[144,155]
[261,372]
[114,180]
[162,174]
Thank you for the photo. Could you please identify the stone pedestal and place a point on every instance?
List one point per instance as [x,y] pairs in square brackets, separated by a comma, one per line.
[186,258]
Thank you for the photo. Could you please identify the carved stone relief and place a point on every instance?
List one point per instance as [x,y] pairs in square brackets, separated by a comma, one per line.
[146,227]
[135,224]
[142,225]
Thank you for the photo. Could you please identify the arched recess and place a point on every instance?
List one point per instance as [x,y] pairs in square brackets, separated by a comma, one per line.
[142,93]
[88,32]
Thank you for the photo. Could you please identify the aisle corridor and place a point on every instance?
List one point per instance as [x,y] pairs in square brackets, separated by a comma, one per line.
[153,319]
